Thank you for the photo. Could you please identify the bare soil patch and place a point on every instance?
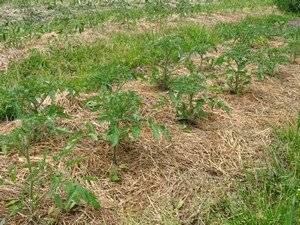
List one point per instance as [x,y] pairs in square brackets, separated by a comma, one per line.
[295,22]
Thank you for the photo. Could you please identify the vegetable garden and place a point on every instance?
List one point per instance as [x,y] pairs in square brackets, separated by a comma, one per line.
[149,112]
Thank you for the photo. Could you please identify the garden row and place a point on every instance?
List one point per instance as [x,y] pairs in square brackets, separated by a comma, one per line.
[210,70]
[36,18]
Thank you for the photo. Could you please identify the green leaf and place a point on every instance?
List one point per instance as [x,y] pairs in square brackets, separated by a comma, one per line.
[93,200]
[136,132]
[58,201]
[219,61]
[75,160]
[113,175]
[55,180]
[124,166]
[91,131]
[2,181]
[180,204]
[69,187]
[94,136]
[199,103]
[136,115]
[72,197]
[223,106]
[89,197]
[88,178]
[154,129]
[115,136]
[165,131]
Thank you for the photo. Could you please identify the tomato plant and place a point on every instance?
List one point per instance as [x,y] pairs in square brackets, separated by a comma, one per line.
[170,50]
[29,96]
[184,94]
[121,111]
[40,173]
[236,59]
[268,60]
[201,51]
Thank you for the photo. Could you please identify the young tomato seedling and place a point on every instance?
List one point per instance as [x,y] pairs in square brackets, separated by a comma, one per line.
[41,174]
[268,60]
[170,50]
[121,111]
[236,60]
[201,51]
[112,77]
[184,94]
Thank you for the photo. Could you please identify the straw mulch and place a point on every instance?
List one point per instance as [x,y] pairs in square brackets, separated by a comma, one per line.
[201,164]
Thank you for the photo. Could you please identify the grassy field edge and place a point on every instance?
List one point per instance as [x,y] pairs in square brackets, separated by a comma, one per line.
[269,194]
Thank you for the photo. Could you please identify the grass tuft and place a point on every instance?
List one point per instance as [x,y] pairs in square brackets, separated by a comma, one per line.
[271,194]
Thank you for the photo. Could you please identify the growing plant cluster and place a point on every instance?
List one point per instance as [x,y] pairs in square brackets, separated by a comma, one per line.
[33,103]
[73,16]
[193,94]
[289,5]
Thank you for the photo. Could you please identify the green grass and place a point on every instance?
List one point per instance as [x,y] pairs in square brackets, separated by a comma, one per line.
[233,5]
[251,28]
[75,63]
[33,18]
[271,194]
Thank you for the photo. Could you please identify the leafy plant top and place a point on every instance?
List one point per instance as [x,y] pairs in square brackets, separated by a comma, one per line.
[28,96]
[184,94]
[121,111]
[201,51]
[236,59]
[116,108]
[169,50]
[113,75]
[269,58]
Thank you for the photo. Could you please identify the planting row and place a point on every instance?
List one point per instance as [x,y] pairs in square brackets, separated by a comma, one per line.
[210,70]
[66,17]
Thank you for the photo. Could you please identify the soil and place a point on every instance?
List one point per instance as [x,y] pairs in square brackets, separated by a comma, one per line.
[295,22]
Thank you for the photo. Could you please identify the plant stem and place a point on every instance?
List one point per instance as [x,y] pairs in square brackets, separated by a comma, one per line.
[31,182]
[237,81]
[191,104]
[236,85]
[114,155]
